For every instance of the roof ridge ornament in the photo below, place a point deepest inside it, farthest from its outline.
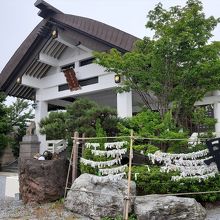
(46, 10)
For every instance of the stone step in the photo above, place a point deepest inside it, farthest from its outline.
(11, 168)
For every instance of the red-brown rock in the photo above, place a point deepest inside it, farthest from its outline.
(42, 181)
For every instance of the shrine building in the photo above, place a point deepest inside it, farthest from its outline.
(54, 66)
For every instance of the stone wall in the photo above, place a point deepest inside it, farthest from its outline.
(7, 156)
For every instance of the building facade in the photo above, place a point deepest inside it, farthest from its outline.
(54, 66)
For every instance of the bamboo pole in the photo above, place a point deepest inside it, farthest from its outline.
(83, 143)
(128, 198)
(75, 156)
(68, 173)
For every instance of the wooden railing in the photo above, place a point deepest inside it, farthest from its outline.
(56, 146)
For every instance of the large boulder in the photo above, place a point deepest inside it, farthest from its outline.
(168, 208)
(95, 197)
(42, 181)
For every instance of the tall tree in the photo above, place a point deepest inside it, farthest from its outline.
(177, 66)
(19, 114)
(54, 126)
(4, 124)
(82, 116)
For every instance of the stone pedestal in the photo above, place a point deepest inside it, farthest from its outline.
(29, 146)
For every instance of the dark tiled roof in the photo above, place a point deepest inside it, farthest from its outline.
(19, 54)
(100, 31)
(90, 30)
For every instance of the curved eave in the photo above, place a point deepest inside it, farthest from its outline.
(9, 70)
(98, 30)
(28, 50)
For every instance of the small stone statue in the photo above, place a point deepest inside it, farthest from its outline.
(31, 129)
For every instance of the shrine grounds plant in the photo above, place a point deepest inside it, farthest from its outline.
(4, 124)
(81, 116)
(149, 124)
(19, 115)
(174, 68)
(13, 123)
(156, 182)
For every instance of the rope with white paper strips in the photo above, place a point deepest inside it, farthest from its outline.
(94, 145)
(109, 153)
(100, 164)
(110, 177)
(114, 170)
(199, 178)
(115, 173)
(116, 145)
(191, 170)
(188, 165)
(160, 156)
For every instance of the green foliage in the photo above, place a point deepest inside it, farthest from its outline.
(144, 124)
(83, 114)
(150, 125)
(100, 132)
(19, 113)
(5, 127)
(155, 182)
(200, 118)
(54, 126)
(87, 154)
(146, 149)
(151, 149)
(178, 65)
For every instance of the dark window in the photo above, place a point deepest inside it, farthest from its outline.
(72, 65)
(84, 82)
(90, 81)
(86, 61)
(63, 87)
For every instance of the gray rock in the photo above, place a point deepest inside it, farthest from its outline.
(168, 208)
(92, 197)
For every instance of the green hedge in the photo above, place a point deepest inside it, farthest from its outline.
(156, 182)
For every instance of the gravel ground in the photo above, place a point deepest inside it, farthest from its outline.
(2, 186)
(12, 209)
(213, 211)
(213, 214)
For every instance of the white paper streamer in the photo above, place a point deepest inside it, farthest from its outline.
(199, 178)
(116, 145)
(105, 179)
(94, 145)
(114, 170)
(188, 165)
(191, 170)
(110, 153)
(160, 156)
(100, 164)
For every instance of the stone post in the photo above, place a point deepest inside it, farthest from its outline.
(29, 147)
(124, 104)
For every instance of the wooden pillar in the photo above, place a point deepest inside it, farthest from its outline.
(75, 155)
(83, 143)
(128, 198)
